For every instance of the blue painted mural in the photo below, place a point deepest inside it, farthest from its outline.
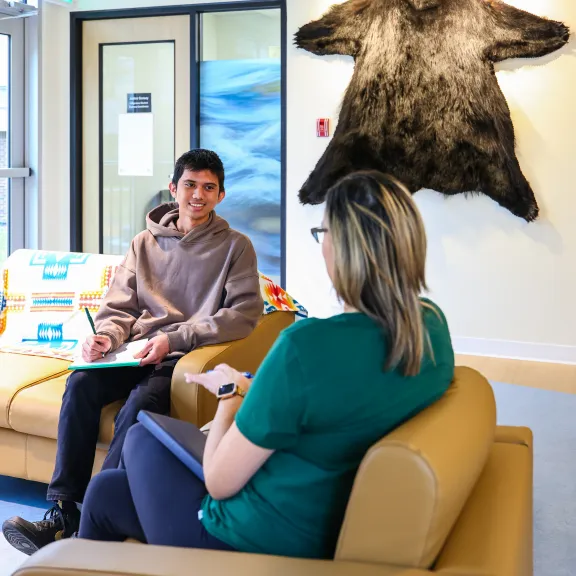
(240, 119)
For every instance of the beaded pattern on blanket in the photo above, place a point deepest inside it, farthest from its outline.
(43, 296)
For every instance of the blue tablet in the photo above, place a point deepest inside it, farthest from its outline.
(183, 439)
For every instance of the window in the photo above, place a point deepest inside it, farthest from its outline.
(4, 156)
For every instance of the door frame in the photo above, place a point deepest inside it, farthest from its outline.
(194, 12)
(15, 172)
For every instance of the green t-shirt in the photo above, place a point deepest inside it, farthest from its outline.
(320, 399)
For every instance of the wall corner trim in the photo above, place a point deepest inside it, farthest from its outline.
(532, 351)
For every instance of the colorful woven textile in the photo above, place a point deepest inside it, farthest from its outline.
(276, 299)
(43, 296)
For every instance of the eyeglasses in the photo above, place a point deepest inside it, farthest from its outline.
(318, 234)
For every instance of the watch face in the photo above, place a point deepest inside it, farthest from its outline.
(226, 389)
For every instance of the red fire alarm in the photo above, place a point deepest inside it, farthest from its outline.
(323, 128)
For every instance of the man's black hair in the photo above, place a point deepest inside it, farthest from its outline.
(196, 160)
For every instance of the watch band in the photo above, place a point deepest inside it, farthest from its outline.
(238, 392)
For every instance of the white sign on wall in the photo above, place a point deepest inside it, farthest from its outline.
(136, 145)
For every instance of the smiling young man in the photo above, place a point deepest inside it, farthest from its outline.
(187, 281)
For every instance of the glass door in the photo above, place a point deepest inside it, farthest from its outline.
(12, 172)
(241, 120)
(151, 86)
(136, 122)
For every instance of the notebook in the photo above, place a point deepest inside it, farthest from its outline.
(183, 439)
(122, 357)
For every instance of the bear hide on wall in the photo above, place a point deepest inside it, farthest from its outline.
(424, 103)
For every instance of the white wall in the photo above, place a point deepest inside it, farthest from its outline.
(507, 287)
(499, 278)
(55, 127)
(315, 89)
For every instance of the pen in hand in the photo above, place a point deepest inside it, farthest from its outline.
(89, 316)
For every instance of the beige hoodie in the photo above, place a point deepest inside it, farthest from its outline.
(198, 288)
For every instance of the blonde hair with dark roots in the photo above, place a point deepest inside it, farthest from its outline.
(379, 260)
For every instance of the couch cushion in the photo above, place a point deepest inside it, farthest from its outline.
(19, 372)
(412, 485)
(12, 455)
(36, 410)
(41, 456)
(514, 435)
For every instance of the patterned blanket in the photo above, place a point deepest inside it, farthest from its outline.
(43, 296)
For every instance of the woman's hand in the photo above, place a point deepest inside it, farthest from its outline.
(155, 350)
(221, 375)
(230, 459)
(96, 346)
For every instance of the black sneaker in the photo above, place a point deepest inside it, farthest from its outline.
(28, 537)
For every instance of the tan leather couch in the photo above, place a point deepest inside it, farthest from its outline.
(31, 391)
(447, 493)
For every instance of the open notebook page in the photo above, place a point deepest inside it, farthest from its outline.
(122, 357)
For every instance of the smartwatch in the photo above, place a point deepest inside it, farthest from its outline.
(229, 391)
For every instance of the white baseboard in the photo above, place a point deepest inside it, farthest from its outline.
(530, 351)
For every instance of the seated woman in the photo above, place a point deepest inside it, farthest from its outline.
(280, 462)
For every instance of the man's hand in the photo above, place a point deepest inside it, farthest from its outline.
(221, 375)
(95, 347)
(155, 350)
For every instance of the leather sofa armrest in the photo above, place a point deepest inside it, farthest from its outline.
(514, 435)
(494, 532)
(193, 403)
(85, 558)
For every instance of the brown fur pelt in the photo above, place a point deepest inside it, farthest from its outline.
(424, 103)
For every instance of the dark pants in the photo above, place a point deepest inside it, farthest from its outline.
(153, 498)
(87, 392)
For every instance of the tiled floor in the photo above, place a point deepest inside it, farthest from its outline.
(18, 498)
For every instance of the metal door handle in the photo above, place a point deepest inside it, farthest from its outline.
(14, 172)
